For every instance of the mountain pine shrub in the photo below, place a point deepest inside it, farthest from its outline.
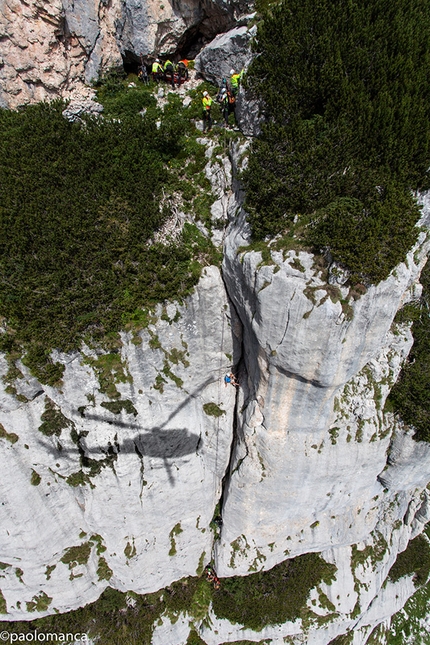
(79, 204)
(410, 396)
(346, 96)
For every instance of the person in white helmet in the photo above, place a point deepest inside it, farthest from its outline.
(234, 81)
(207, 105)
(157, 70)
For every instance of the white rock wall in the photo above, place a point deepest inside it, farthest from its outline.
(153, 503)
(316, 374)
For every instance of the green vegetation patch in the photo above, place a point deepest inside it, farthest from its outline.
(375, 552)
(173, 533)
(9, 436)
(35, 478)
(346, 95)
(130, 550)
(53, 420)
(213, 410)
(41, 365)
(78, 479)
(116, 407)
(410, 624)
(104, 572)
(194, 638)
(110, 369)
(414, 560)
(410, 396)
(80, 204)
(40, 602)
(76, 555)
(271, 597)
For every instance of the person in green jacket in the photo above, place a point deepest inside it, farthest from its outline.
(207, 105)
(234, 81)
(169, 71)
(157, 70)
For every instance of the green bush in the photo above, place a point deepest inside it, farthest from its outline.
(410, 396)
(414, 560)
(271, 597)
(346, 97)
(79, 205)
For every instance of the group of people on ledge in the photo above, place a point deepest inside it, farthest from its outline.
(226, 97)
(176, 74)
(172, 73)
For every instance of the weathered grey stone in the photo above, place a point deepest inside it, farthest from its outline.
(82, 21)
(227, 51)
(75, 109)
(249, 113)
(54, 49)
(315, 378)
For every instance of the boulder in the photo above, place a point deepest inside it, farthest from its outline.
(227, 51)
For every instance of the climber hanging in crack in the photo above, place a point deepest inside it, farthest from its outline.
(212, 577)
(230, 378)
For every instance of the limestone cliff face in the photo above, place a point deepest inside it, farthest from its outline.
(312, 437)
(131, 489)
(114, 478)
(55, 49)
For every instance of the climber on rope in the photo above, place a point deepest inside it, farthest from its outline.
(212, 577)
(223, 99)
(207, 105)
(157, 71)
(230, 378)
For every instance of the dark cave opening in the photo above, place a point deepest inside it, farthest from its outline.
(131, 62)
(190, 44)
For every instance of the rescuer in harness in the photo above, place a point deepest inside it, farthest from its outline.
(157, 71)
(234, 81)
(182, 70)
(207, 105)
(222, 99)
(230, 379)
(169, 72)
(211, 576)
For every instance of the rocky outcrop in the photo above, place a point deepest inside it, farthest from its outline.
(227, 51)
(56, 49)
(52, 50)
